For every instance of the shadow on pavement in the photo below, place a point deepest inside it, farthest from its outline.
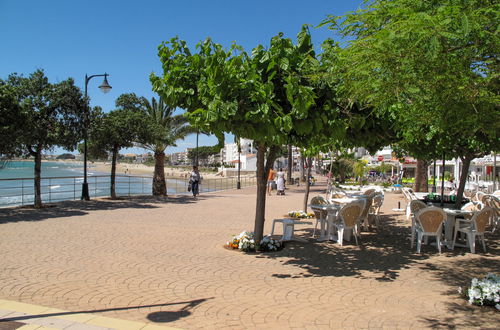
(382, 255)
(184, 311)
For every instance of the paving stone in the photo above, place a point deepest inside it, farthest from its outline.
(161, 262)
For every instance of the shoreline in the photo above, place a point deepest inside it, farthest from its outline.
(131, 168)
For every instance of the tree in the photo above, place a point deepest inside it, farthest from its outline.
(359, 170)
(433, 65)
(203, 153)
(11, 120)
(165, 128)
(52, 116)
(115, 130)
(266, 97)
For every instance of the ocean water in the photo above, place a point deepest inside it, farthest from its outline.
(63, 181)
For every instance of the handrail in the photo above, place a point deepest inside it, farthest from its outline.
(62, 188)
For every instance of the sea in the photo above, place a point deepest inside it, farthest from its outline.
(63, 181)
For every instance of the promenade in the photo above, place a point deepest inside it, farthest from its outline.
(161, 262)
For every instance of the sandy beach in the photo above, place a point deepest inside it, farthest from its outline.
(136, 169)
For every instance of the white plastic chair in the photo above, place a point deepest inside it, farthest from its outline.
(349, 217)
(479, 196)
(493, 202)
(319, 214)
(415, 206)
(429, 223)
(377, 201)
(473, 228)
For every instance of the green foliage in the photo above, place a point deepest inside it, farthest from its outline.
(383, 167)
(39, 116)
(164, 127)
(359, 168)
(117, 129)
(431, 66)
(50, 114)
(203, 153)
(11, 119)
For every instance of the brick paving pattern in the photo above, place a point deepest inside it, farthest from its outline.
(162, 261)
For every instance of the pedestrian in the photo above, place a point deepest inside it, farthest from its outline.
(280, 182)
(194, 181)
(270, 181)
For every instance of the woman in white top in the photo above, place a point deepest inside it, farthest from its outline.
(280, 182)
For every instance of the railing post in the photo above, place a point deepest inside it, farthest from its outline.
(74, 188)
(50, 190)
(129, 186)
(22, 192)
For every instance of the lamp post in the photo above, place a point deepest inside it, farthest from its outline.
(238, 183)
(105, 87)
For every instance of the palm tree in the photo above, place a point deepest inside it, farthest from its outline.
(166, 129)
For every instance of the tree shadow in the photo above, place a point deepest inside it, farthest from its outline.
(68, 209)
(380, 255)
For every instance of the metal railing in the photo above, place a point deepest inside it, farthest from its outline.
(20, 191)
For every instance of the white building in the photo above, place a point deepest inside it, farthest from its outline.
(229, 153)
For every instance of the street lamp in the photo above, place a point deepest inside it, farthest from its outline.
(105, 87)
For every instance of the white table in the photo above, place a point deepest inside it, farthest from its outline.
(420, 195)
(289, 228)
(325, 225)
(343, 200)
(449, 225)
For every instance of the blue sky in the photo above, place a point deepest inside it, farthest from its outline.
(73, 38)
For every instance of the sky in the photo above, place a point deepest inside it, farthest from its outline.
(72, 38)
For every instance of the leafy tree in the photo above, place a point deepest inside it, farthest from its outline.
(267, 97)
(433, 65)
(115, 130)
(11, 120)
(52, 115)
(203, 153)
(359, 170)
(165, 128)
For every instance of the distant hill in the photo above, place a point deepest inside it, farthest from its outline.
(66, 156)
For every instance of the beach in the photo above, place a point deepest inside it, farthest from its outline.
(135, 169)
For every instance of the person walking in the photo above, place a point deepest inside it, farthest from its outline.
(270, 181)
(194, 181)
(280, 182)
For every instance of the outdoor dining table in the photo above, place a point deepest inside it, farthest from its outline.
(325, 225)
(346, 200)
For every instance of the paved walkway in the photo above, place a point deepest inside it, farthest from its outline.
(162, 262)
(15, 315)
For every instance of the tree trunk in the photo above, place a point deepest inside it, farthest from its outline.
(463, 179)
(38, 171)
(302, 173)
(114, 156)
(290, 165)
(306, 195)
(421, 182)
(159, 183)
(263, 167)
